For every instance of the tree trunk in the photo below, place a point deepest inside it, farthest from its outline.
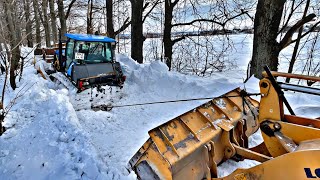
(53, 21)
(45, 22)
(14, 36)
(266, 49)
(62, 18)
(2, 110)
(110, 26)
(167, 41)
(89, 17)
(37, 22)
(15, 57)
(1, 127)
(137, 37)
(28, 23)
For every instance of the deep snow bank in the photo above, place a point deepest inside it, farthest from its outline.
(118, 134)
(44, 139)
(48, 139)
(54, 134)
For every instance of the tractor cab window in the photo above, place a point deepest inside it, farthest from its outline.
(109, 52)
(69, 52)
(92, 52)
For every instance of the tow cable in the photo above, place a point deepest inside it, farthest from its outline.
(109, 107)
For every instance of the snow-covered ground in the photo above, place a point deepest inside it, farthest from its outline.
(54, 134)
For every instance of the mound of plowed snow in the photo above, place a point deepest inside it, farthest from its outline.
(54, 134)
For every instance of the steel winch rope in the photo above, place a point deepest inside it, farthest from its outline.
(110, 107)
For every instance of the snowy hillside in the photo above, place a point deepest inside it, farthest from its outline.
(54, 134)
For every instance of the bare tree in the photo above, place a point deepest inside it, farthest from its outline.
(28, 23)
(14, 31)
(53, 21)
(11, 22)
(37, 22)
(167, 41)
(312, 64)
(45, 21)
(266, 47)
(220, 15)
(63, 16)
(9, 27)
(137, 37)
(203, 55)
(297, 43)
(89, 17)
(2, 109)
(109, 12)
(110, 24)
(137, 20)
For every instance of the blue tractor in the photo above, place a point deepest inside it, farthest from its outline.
(89, 61)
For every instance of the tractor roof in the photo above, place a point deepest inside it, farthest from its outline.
(90, 38)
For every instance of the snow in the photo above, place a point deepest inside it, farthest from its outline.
(54, 134)
(45, 139)
(118, 134)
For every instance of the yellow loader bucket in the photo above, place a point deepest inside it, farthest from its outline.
(191, 145)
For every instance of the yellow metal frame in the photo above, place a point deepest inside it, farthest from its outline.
(271, 108)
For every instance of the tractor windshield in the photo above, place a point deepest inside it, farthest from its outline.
(92, 52)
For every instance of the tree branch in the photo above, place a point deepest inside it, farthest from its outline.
(308, 32)
(287, 39)
(145, 6)
(240, 14)
(197, 20)
(154, 5)
(290, 15)
(174, 3)
(252, 18)
(69, 8)
(178, 39)
(126, 23)
(211, 20)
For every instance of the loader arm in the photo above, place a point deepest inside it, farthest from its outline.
(293, 141)
(271, 113)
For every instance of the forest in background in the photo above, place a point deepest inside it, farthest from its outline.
(199, 28)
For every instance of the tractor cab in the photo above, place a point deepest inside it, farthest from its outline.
(89, 61)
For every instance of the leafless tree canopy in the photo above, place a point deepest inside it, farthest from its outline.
(190, 36)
